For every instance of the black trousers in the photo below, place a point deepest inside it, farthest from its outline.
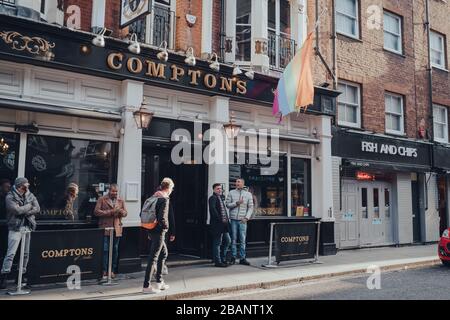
(157, 257)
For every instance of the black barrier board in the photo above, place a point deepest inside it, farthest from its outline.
(53, 252)
(295, 241)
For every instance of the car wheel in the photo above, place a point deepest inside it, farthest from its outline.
(446, 263)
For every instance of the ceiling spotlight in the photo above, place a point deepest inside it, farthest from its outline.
(99, 40)
(163, 55)
(134, 46)
(190, 60)
(215, 65)
(236, 70)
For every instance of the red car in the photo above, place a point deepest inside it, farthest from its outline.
(444, 248)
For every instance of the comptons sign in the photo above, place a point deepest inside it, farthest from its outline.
(171, 72)
(389, 149)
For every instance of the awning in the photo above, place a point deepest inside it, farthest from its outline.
(57, 109)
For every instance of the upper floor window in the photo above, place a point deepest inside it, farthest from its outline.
(347, 21)
(243, 30)
(394, 114)
(349, 105)
(437, 50)
(8, 2)
(157, 26)
(440, 123)
(392, 25)
(281, 46)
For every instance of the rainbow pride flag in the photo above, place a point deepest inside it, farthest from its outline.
(295, 89)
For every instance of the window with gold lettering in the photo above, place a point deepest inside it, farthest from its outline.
(52, 163)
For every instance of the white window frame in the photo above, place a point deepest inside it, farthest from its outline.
(402, 114)
(399, 36)
(346, 104)
(355, 18)
(149, 25)
(442, 53)
(437, 107)
(250, 26)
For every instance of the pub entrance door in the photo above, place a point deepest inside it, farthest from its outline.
(188, 198)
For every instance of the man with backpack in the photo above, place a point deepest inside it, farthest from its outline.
(155, 218)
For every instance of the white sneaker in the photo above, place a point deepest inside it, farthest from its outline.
(165, 270)
(162, 286)
(150, 290)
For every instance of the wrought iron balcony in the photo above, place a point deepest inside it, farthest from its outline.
(281, 50)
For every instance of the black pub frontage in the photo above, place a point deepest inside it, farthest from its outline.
(66, 112)
(388, 189)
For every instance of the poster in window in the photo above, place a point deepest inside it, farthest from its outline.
(132, 10)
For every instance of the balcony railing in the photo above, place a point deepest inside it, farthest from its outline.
(162, 28)
(281, 50)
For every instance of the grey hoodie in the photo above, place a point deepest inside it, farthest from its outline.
(20, 209)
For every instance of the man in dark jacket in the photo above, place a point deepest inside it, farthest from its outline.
(158, 250)
(5, 188)
(21, 206)
(220, 226)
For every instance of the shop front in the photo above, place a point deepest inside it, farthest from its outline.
(384, 190)
(441, 165)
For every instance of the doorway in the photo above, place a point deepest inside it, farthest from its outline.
(416, 211)
(442, 202)
(188, 198)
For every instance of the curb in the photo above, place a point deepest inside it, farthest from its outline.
(297, 280)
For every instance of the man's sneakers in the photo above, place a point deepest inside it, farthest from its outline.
(232, 261)
(244, 262)
(220, 265)
(161, 286)
(165, 270)
(150, 290)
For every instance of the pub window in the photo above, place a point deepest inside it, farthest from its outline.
(43, 6)
(394, 114)
(392, 25)
(52, 163)
(347, 18)
(440, 124)
(269, 191)
(157, 26)
(243, 30)
(349, 105)
(300, 187)
(437, 47)
(9, 159)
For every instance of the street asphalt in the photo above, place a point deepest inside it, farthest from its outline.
(431, 283)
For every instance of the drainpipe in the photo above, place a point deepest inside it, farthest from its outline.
(333, 38)
(430, 71)
(222, 30)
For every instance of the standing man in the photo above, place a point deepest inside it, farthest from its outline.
(159, 204)
(5, 187)
(240, 203)
(220, 226)
(111, 209)
(21, 206)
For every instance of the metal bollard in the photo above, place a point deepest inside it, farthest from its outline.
(19, 291)
(110, 282)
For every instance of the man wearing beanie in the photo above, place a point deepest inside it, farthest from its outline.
(21, 206)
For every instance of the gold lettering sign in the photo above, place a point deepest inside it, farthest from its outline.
(176, 73)
(62, 253)
(156, 70)
(113, 58)
(194, 75)
(134, 65)
(227, 84)
(300, 239)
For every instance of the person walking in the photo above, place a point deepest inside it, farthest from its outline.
(220, 226)
(159, 206)
(21, 208)
(240, 203)
(110, 210)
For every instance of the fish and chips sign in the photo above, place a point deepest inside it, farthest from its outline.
(132, 10)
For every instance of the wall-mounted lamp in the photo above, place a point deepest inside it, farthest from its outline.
(190, 59)
(231, 128)
(215, 65)
(143, 116)
(134, 46)
(163, 55)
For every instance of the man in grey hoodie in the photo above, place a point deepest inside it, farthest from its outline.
(21, 206)
(240, 203)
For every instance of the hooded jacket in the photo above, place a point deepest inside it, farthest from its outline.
(20, 210)
(163, 212)
(245, 210)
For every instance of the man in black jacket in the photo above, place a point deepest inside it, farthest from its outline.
(158, 250)
(220, 226)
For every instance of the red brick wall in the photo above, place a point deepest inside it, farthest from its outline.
(216, 23)
(186, 36)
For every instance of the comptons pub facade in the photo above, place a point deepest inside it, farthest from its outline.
(369, 158)
(73, 75)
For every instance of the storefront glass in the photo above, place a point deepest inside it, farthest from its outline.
(300, 187)
(9, 159)
(269, 191)
(53, 162)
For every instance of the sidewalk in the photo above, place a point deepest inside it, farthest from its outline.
(197, 280)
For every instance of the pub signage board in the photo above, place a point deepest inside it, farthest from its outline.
(53, 254)
(295, 241)
(132, 10)
(441, 157)
(366, 147)
(46, 45)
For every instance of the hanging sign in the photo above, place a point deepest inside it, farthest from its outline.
(132, 10)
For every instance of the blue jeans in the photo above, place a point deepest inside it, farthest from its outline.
(14, 239)
(221, 256)
(115, 255)
(238, 230)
